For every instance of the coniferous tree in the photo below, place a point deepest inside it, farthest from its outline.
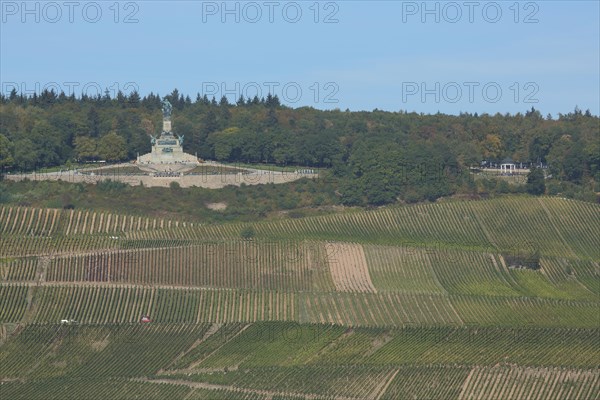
(134, 99)
(241, 101)
(93, 122)
(13, 95)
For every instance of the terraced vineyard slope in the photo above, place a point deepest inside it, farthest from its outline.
(415, 302)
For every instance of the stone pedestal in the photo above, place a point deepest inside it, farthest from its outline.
(167, 150)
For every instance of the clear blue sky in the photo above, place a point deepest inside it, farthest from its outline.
(444, 56)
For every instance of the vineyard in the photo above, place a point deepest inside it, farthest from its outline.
(290, 360)
(411, 302)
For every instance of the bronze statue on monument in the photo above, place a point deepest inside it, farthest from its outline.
(167, 109)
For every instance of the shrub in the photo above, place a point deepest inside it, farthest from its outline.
(535, 182)
(296, 214)
(247, 233)
(111, 186)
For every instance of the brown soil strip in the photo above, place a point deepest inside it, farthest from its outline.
(348, 267)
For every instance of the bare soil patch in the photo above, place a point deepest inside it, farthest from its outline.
(216, 206)
(100, 345)
(348, 267)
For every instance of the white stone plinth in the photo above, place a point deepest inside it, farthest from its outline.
(167, 150)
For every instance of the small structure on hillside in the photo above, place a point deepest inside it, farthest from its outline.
(507, 167)
(145, 319)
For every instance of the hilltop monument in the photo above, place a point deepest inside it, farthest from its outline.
(167, 148)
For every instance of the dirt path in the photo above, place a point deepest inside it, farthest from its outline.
(194, 365)
(466, 384)
(117, 285)
(382, 388)
(42, 268)
(268, 393)
(211, 331)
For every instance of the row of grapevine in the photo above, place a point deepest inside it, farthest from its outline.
(214, 339)
(556, 279)
(553, 225)
(428, 382)
(245, 306)
(387, 309)
(477, 346)
(355, 382)
(557, 227)
(306, 266)
(265, 344)
(22, 246)
(473, 273)
(46, 351)
(587, 273)
(448, 222)
(28, 221)
(508, 383)
(520, 225)
(564, 274)
(412, 382)
(90, 222)
(401, 269)
(268, 344)
(119, 304)
(324, 360)
(183, 232)
(92, 389)
(13, 302)
(234, 264)
(92, 304)
(578, 224)
(46, 222)
(18, 269)
(526, 312)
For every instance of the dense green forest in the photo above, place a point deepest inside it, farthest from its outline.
(374, 157)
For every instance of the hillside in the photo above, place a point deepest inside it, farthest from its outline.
(423, 301)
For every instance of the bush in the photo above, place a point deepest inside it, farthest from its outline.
(535, 182)
(67, 202)
(5, 197)
(111, 186)
(296, 214)
(247, 233)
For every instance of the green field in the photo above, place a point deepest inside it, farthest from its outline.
(406, 302)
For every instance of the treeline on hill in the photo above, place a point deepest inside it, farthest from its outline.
(376, 156)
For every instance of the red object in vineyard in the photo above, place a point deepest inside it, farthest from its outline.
(145, 319)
